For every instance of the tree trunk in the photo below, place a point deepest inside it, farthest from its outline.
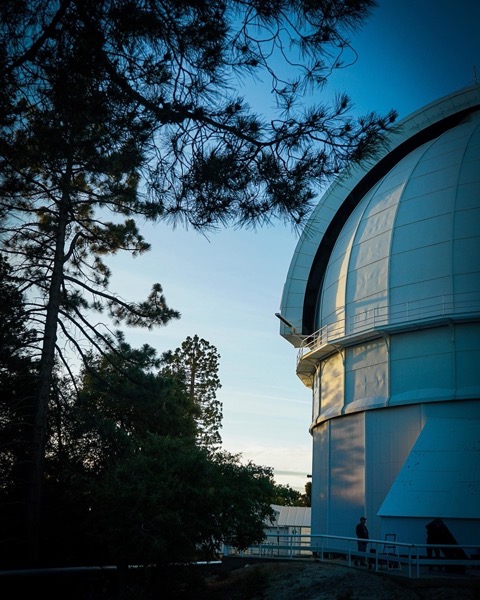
(42, 398)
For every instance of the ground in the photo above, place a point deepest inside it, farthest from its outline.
(297, 580)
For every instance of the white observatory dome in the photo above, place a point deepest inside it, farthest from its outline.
(410, 250)
(382, 300)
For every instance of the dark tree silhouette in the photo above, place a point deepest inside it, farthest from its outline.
(113, 111)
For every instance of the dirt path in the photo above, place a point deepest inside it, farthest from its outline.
(325, 581)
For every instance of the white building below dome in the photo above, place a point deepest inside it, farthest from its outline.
(383, 299)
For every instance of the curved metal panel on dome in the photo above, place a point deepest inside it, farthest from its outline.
(401, 255)
(299, 304)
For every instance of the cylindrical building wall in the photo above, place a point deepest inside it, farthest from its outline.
(427, 364)
(358, 457)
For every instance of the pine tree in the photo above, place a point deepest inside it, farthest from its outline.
(196, 362)
(100, 96)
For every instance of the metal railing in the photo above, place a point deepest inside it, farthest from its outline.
(447, 306)
(408, 558)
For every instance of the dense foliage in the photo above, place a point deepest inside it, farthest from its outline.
(285, 495)
(17, 382)
(126, 481)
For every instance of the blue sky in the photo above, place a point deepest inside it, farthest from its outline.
(229, 286)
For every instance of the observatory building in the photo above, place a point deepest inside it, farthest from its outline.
(382, 302)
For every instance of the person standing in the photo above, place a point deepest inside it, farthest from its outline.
(361, 532)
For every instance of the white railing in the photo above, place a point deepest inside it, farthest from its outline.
(411, 557)
(428, 309)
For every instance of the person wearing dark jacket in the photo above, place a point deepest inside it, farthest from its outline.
(361, 532)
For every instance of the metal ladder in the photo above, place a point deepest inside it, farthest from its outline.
(390, 550)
